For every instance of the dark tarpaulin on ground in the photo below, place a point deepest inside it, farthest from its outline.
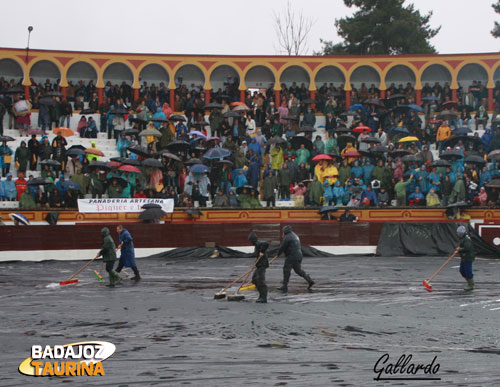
(430, 239)
(226, 252)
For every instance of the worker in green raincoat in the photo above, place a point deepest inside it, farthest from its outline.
(108, 253)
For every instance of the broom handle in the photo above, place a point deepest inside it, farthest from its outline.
(443, 265)
(249, 272)
(82, 268)
(237, 279)
(274, 259)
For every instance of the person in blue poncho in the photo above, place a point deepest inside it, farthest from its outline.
(338, 193)
(60, 185)
(327, 193)
(127, 257)
(357, 171)
(417, 198)
(9, 188)
(159, 114)
(239, 180)
(368, 168)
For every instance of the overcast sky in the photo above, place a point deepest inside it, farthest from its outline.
(229, 27)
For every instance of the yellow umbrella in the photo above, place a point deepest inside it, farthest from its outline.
(409, 139)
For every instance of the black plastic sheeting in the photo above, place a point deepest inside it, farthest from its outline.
(226, 252)
(430, 239)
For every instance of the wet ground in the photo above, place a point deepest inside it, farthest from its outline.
(169, 330)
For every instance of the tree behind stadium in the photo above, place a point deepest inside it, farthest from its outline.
(382, 27)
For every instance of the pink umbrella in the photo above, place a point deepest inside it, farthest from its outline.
(360, 129)
(322, 157)
(212, 138)
(129, 168)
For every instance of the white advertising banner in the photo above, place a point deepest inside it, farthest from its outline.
(101, 206)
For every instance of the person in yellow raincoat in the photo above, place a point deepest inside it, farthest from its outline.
(348, 147)
(326, 170)
(90, 156)
(277, 158)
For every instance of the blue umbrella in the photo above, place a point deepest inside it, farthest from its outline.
(68, 184)
(357, 106)
(430, 98)
(462, 130)
(217, 153)
(399, 129)
(199, 168)
(415, 107)
(20, 218)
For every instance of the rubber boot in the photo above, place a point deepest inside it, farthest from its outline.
(309, 281)
(283, 288)
(136, 278)
(116, 276)
(470, 284)
(112, 280)
(262, 300)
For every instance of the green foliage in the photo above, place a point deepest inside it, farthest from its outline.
(496, 30)
(382, 27)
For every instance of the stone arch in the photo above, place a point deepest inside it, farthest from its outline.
(154, 73)
(297, 74)
(259, 77)
(400, 74)
(190, 74)
(11, 69)
(219, 77)
(472, 72)
(436, 73)
(43, 70)
(117, 73)
(329, 74)
(81, 71)
(364, 74)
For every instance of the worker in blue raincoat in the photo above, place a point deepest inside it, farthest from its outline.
(127, 257)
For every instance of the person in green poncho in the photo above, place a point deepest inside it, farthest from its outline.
(331, 145)
(96, 184)
(254, 200)
(458, 192)
(239, 159)
(383, 174)
(166, 135)
(244, 199)
(344, 172)
(115, 190)
(81, 179)
(22, 157)
(27, 202)
(315, 191)
(108, 253)
(302, 154)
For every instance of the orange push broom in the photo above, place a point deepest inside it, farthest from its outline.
(72, 279)
(427, 283)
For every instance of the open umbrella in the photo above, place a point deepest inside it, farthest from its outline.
(6, 139)
(409, 139)
(326, 209)
(138, 150)
(494, 154)
(231, 114)
(152, 163)
(213, 138)
(416, 107)
(374, 101)
(199, 168)
(360, 129)
(150, 205)
(462, 131)
(447, 115)
(130, 132)
(150, 132)
(213, 105)
(200, 124)
(75, 152)
(322, 157)
(335, 156)
(430, 98)
(94, 151)
(197, 133)
(87, 111)
(119, 180)
(449, 105)
(177, 117)
(344, 139)
(129, 168)
(228, 162)
(99, 164)
(52, 218)
(120, 110)
(441, 163)
(239, 190)
(114, 164)
(342, 129)
(39, 181)
(307, 128)
(54, 94)
(13, 90)
(15, 216)
(371, 140)
(460, 204)
(399, 129)
(50, 162)
(297, 141)
(397, 96)
(451, 142)
(356, 107)
(475, 160)
(117, 159)
(135, 162)
(170, 156)
(49, 101)
(71, 185)
(380, 149)
(159, 119)
(177, 146)
(241, 108)
(291, 118)
(451, 155)
(308, 101)
(193, 161)
(276, 140)
(411, 159)
(152, 214)
(495, 183)
(399, 153)
(217, 153)
(63, 131)
(352, 153)
(468, 108)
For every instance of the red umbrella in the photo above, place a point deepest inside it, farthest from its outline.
(322, 157)
(352, 153)
(360, 129)
(129, 168)
(114, 164)
(94, 151)
(233, 104)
